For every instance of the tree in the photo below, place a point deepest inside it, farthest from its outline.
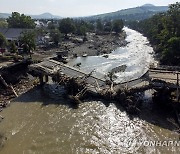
(90, 26)
(163, 32)
(99, 25)
(3, 41)
(27, 41)
(67, 26)
(51, 25)
(17, 20)
(81, 30)
(174, 18)
(118, 26)
(108, 26)
(171, 54)
(3, 23)
(12, 47)
(55, 36)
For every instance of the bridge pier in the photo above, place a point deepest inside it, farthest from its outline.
(46, 78)
(177, 92)
(177, 79)
(43, 79)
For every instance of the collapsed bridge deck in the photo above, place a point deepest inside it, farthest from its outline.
(154, 78)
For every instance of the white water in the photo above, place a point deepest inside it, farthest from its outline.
(137, 55)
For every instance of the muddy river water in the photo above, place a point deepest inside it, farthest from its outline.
(42, 121)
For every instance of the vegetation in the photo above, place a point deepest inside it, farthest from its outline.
(67, 26)
(51, 25)
(56, 36)
(163, 31)
(118, 26)
(20, 21)
(108, 26)
(12, 47)
(80, 27)
(27, 41)
(99, 25)
(136, 13)
(3, 23)
(3, 41)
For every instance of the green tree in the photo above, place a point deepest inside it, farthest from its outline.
(171, 53)
(55, 36)
(81, 30)
(12, 47)
(3, 41)
(17, 20)
(27, 41)
(99, 25)
(67, 26)
(3, 23)
(173, 17)
(90, 26)
(163, 31)
(108, 26)
(118, 26)
(51, 25)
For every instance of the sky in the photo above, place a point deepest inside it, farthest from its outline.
(74, 8)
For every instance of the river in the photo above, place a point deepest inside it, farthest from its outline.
(42, 121)
(137, 56)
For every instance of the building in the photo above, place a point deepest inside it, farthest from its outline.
(12, 34)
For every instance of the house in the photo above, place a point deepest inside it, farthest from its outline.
(39, 24)
(12, 34)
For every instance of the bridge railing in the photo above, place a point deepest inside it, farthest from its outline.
(170, 75)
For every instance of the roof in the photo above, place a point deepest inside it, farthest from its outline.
(12, 33)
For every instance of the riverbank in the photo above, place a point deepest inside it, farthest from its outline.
(94, 45)
(14, 81)
(6, 94)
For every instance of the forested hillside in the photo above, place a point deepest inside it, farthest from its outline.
(163, 31)
(136, 13)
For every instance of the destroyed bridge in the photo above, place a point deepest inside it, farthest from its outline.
(159, 77)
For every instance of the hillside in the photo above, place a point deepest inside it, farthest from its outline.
(137, 13)
(4, 15)
(45, 16)
(41, 16)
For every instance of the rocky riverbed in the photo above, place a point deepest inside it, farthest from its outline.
(93, 45)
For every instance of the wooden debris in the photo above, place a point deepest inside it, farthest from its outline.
(13, 90)
(8, 86)
(3, 82)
